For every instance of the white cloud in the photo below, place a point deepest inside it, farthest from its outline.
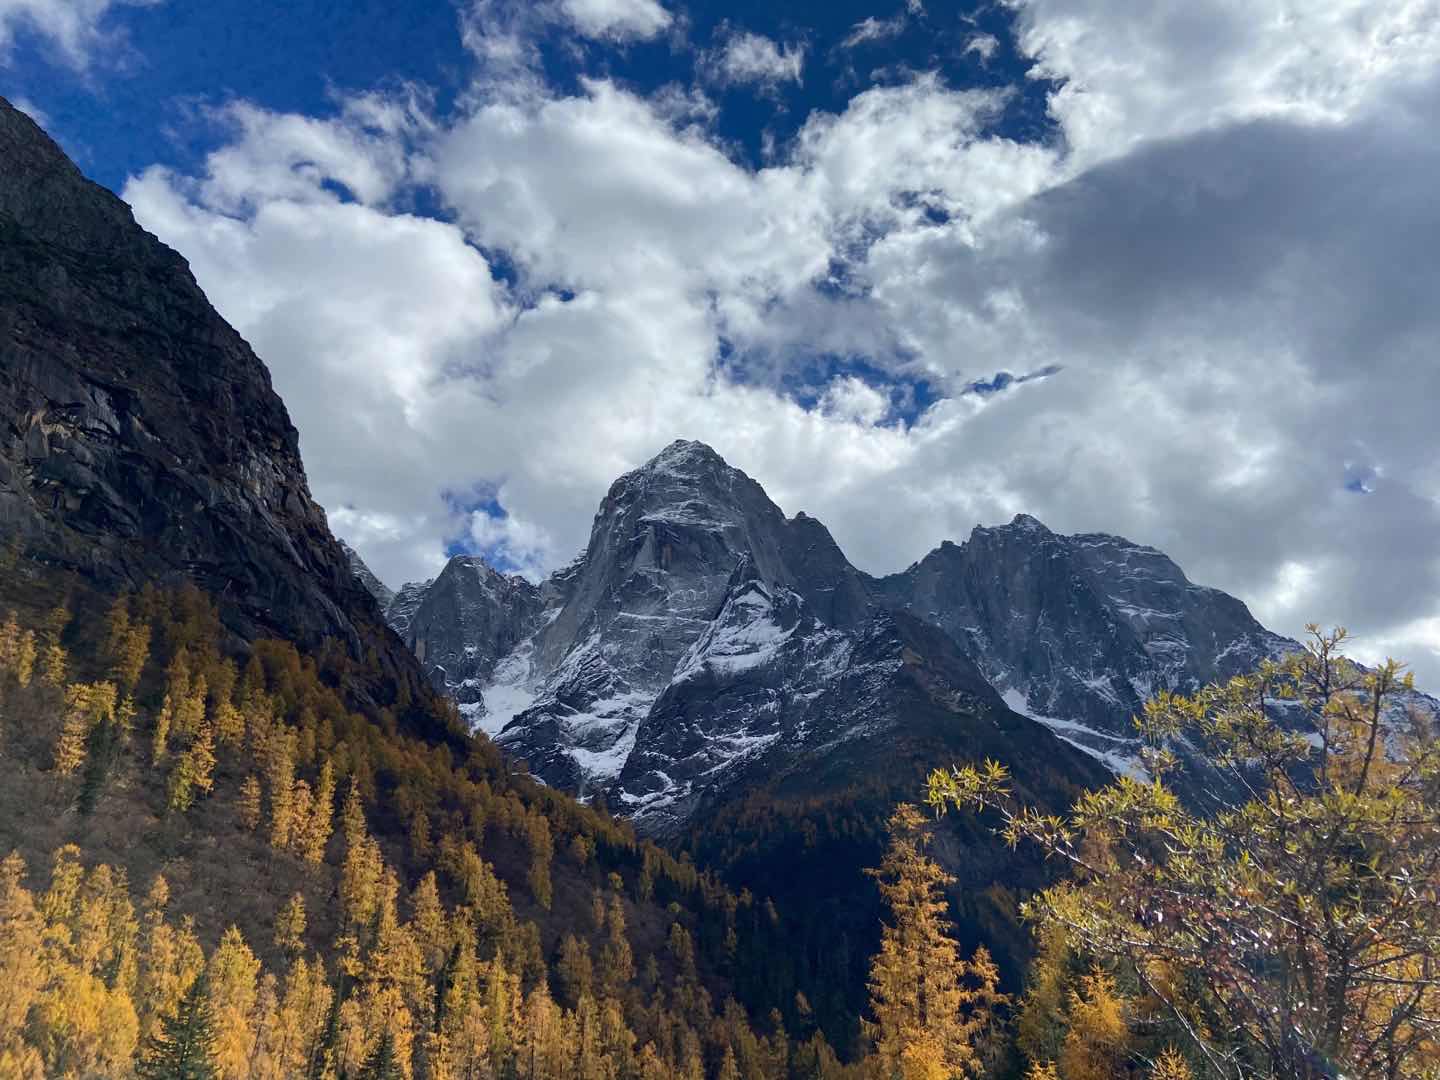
(618, 19)
(983, 46)
(276, 156)
(872, 29)
(76, 28)
(747, 58)
(850, 398)
(509, 540)
(1226, 253)
(1172, 69)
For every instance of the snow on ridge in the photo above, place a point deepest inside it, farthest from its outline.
(743, 636)
(604, 764)
(1076, 734)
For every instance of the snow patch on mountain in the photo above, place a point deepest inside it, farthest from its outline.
(746, 634)
(1121, 756)
(512, 689)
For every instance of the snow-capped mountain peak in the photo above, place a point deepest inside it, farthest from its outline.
(703, 641)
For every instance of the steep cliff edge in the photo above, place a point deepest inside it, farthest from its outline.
(140, 437)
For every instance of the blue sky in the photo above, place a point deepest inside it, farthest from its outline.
(143, 93)
(916, 266)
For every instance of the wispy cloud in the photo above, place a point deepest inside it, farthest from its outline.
(76, 29)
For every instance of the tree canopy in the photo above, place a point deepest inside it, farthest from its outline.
(1292, 929)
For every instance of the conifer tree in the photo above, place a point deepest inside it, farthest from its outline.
(183, 1048)
(542, 850)
(427, 921)
(17, 651)
(53, 626)
(729, 1070)
(1097, 1036)
(231, 974)
(382, 1064)
(127, 644)
(23, 662)
(617, 961)
(74, 731)
(53, 664)
(352, 816)
(9, 641)
(229, 721)
(101, 746)
(290, 927)
(130, 664)
(160, 740)
(420, 844)
(1171, 1065)
(194, 771)
(190, 712)
(280, 775)
(22, 929)
(314, 831)
(117, 626)
(929, 1021)
(249, 803)
(574, 969)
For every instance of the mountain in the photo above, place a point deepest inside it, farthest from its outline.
(703, 640)
(617, 623)
(1079, 631)
(140, 437)
(464, 622)
(721, 675)
(383, 594)
(403, 605)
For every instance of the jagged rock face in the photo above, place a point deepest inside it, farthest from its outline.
(383, 594)
(1080, 630)
(704, 644)
(403, 605)
(704, 641)
(771, 695)
(140, 438)
(664, 546)
(701, 641)
(464, 623)
(664, 543)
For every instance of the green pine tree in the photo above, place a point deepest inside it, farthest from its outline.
(183, 1047)
(100, 750)
(381, 1064)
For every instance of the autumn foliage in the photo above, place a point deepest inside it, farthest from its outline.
(1290, 930)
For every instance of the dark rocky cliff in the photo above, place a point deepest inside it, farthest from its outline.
(140, 437)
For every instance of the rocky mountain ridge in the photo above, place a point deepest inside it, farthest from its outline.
(704, 637)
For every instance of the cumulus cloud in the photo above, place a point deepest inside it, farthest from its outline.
(618, 19)
(747, 58)
(1131, 77)
(76, 28)
(1223, 269)
(511, 544)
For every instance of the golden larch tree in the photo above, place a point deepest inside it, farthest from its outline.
(932, 1010)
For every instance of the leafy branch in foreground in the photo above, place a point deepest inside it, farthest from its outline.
(1295, 931)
